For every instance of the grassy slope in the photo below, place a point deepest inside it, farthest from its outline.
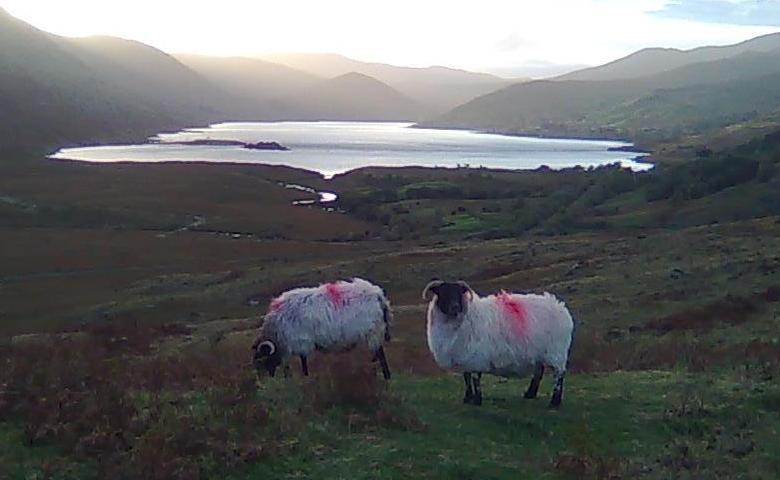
(610, 421)
(693, 99)
(122, 257)
(619, 422)
(653, 424)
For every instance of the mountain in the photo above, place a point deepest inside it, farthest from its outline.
(536, 69)
(441, 88)
(543, 107)
(651, 61)
(354, 96)
(333, 65)
(284, 93)
(56, 90)
(144, 72)
(269, 86)
(651, 108)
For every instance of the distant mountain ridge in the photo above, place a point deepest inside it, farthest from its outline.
(284, 93)
(650, 108)
(58, 91)
(651, 61)
(355, 96)
(266, 87)
(332, 65)
(441, 88)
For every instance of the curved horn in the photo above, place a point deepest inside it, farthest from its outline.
(266, 344)
(432, 284)
(468, 288)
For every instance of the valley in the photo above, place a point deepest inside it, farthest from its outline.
(131, 290)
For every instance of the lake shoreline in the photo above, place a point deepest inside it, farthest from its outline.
(334, 148)
(226, 143)
(635, 148)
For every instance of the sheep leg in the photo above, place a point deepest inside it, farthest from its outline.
(533, 388)
(478, 389)
(468, 397)
(304, 366)
(557, 396)
(380, 355)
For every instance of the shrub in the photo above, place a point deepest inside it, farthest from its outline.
(137, 417)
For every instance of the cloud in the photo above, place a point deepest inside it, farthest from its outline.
(733, 12)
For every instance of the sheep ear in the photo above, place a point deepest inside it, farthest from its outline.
(465, 288)
(266, 348)
(431, 287)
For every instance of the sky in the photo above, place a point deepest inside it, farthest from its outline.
(508, 37)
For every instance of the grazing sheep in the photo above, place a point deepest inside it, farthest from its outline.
(335, 316)
(508, 334)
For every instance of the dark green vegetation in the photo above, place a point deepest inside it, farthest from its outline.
(148, 303)
(651, 96)
(713, 186)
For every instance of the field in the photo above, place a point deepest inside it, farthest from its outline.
(129, 295)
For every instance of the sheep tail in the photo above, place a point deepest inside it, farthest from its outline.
(574, 325)
(387, 316)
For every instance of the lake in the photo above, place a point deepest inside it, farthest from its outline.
(337, 147)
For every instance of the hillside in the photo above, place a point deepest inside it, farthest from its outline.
(666, 114)
(441, 88)
(354, 96)
(651, 61)
(268, 85)
(55, 90)
(285, 93)
(672, 278)
(659, 107)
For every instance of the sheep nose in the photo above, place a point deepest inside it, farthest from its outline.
(256, 357)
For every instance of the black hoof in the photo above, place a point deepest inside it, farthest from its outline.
(529, 394)
(555, 404)
(478, 400)
(468, 399)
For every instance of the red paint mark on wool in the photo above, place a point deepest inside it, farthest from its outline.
(514, 309)
(276, 305)
(336, 293)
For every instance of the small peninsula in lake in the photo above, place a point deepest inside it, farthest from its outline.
(229, 143)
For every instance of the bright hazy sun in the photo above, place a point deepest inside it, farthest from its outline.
(490, 34)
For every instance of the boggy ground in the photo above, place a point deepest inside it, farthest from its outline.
(146, 373)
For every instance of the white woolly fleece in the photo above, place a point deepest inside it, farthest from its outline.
(331, 317)
(505, 334)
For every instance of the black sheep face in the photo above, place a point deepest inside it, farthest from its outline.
(450, 298)
(267, 356)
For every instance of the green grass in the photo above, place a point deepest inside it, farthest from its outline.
(649, 424)
(464, 223)
(621, 421)
(18, 462)
(662, 423)
(435, 186)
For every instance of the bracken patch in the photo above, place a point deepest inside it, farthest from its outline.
(730, 310)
